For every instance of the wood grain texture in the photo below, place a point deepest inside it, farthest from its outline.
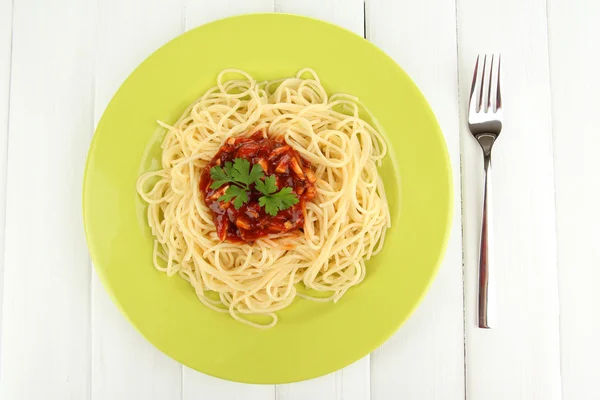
(46, 320)
(424, 359)
(519, 358)
(348, 14)
(5, 64)
(200, 12)
(124, 364)
(62, 338)
(574, 58)
(324, 387)
(198, 386)
(350, 383)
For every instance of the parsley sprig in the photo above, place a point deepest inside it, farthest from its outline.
(241, 177)
(271, 201)
(238, 172)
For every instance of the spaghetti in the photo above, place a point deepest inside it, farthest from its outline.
(344, 224)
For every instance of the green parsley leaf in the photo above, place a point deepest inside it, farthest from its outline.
(236, 173)
(282, 200)
(256, 174)
(238, 194)
(229, 168)
(287, 198)
(219, 177)
(218, 184)
(269, 205)
(241, 172)
(268, 186)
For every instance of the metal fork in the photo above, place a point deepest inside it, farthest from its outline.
(485, 123)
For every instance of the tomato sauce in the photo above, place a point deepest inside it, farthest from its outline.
(250, 221)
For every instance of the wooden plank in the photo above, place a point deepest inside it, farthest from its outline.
(324, 387)
(124, 364)
(202, 11)
(573, 33)
(352, 382)
(348, 14)
(46, 317)
(5, 64)
(424, 360)
(197, 385)
(519, 358)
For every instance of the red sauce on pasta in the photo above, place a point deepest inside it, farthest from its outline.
(250, 221)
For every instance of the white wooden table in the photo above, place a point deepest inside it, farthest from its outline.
(62, 338)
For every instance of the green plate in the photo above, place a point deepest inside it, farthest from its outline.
(311, 339)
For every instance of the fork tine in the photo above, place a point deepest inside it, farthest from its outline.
(498, 96)
(474, 98)
(481, 103)
(489, 92)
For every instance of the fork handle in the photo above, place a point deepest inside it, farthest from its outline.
(486, 311)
